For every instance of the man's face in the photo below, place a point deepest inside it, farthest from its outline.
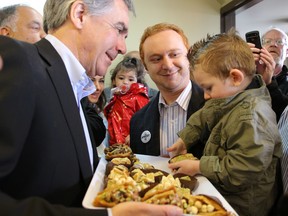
(165, 57)
(29, 25)
(271, 42)
(103, 38)
(99, 84)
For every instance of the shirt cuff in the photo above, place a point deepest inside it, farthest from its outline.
(109, 211)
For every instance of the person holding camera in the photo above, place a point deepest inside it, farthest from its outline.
(270, 64)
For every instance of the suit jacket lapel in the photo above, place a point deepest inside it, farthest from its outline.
(197, 100)
(153, 126)
(60, 79)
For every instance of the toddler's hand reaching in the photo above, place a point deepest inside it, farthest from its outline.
(177, 148)
(188, 167)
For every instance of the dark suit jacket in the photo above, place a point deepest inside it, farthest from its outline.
(279, 99)
(43, 152)
(148, 119)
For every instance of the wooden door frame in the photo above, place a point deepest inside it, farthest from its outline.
(229, 11)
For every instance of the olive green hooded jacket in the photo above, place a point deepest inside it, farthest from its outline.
(242, 148)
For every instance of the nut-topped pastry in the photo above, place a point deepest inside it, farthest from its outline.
(187, 181)
(142, 182)
(187, 156)
(117, 151)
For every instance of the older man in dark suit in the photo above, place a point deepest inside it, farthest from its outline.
(46, 155)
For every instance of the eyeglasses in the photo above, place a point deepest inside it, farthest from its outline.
(269, 41)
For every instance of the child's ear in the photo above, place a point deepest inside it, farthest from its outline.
(236, 77)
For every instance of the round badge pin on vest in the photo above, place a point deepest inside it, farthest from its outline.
(145, 136)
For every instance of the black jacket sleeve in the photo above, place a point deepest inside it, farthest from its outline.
(279, 100)
(95, 123)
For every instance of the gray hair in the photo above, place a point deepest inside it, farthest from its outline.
(56, 12)
(276, 29)
(9, 16)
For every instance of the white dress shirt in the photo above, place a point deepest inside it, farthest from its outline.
(82, 85)
(173, 118)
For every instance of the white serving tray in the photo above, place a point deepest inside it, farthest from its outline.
(97, 183)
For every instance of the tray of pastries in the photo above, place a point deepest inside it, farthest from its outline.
(122, 176)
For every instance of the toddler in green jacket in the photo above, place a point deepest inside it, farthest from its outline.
(237, 124)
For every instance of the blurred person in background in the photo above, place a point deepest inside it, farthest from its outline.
(94, 105)
(129, 95)
(270, 64)
(151, 91)
(21, 22)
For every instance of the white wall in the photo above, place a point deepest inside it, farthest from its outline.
(37, 4)
(262, 16)
(196, 17)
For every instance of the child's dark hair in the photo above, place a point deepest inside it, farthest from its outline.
(128, 64)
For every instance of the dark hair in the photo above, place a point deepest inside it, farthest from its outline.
(128, 64)
(100, 104)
